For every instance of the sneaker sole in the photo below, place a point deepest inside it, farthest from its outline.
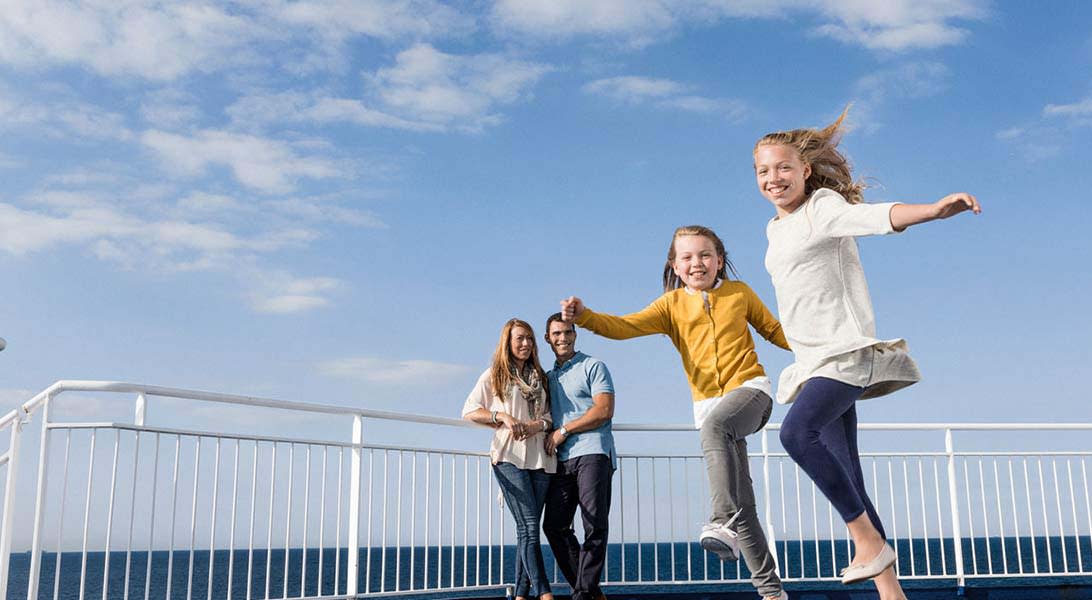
(722, 550)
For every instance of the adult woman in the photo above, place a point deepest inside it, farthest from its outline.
(512, 397)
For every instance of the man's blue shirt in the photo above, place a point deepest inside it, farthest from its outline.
(572, 387)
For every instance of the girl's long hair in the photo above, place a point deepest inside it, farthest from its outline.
(503, 366)
(671, 280)
(818, 148)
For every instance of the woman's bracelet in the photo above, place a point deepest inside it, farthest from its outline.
(494, 417)
(545, 425)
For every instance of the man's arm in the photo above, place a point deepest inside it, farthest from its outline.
(601, 411)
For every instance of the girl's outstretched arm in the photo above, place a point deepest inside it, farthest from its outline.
(905, 215)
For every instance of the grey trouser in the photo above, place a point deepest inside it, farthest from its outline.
(743, 411)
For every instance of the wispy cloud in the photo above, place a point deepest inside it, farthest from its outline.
(385, 371)
(893, 25)
(664, 93)
(451, 91)
(1048, 135)
(1078, 113)
(280, 292)
(68, 119)
(874, 92)
(265, 164)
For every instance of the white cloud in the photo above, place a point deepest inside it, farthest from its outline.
(874, 92)
(257, 110)
(265, 164)
(124, 37)
(664, 93)
(385, 19)
(61, 118)
(317, 211)
(384, 371)
(452, 91)
(892, 25)
(1076, 109)
(279, 292)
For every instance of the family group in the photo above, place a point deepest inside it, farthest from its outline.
(553, 450)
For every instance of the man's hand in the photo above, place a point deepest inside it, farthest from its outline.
(555, 439)
(571, 308)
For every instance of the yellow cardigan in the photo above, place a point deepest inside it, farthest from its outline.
(717, 351)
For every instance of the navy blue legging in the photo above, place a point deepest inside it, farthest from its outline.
(820, 434)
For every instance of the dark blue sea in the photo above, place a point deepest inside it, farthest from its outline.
(390, 569)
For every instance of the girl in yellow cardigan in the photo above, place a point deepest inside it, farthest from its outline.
(706, 315)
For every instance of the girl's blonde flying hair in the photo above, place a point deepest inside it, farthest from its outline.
(819, 149)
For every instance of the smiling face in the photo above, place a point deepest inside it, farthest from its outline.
(521, 342)
(562, 339)
(696, 261)
(780, 173)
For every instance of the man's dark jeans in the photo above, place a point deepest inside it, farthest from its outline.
(583, 481)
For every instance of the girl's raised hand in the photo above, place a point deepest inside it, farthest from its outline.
(953, 204)
(571, 308)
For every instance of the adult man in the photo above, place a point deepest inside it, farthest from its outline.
(582, 405)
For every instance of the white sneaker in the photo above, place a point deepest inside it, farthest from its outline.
(720, 539)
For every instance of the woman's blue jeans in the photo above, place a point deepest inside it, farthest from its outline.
(525, 494)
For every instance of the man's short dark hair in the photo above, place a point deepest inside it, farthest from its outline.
(556, 317)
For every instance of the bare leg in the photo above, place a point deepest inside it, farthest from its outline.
(868, 543)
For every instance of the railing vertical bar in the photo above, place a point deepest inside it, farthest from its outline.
(830, 525)
(1015, 519)
(212, 528)
(151, 525)
(686, 491)
(288, 516)
(413, 522)
(174, 515)
(132, 516)
(38, 536)
(815, 526)
(322, 520)
(250, 532)
(428, 496)
(87, 511)
(1087, 503)
(799, 522)
(110, 514)
(640, 561)
(894, 520)
(371, 498)
(671, 513)
(1031, 517)
(767, 504)
(466, 517)
(489, 518)
(337, 531)
(440, 527)
(356, 463)
(940, 521)
(193, 515)
(1046, 521)
(306, 518)
(398, 526)
(876, 493)
(477, 512)
(269, 525)
(383, 519)
(909, 518)
(970, 515)
(234, 511)
(924, 518)
(957, 547)
(784, 517)
(985, 515)
(453, 492)
(1000, 520)
(1076, 526)
(60, 517)
(1061, 519)
(622, 519)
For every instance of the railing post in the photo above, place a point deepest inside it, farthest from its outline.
(141, 413)
(39, 507)
(957, 536)
(9, 506)
(771, 537)
(353, 565)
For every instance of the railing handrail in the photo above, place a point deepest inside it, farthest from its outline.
(239, 400)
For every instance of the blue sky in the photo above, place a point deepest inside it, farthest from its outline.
(342, 202)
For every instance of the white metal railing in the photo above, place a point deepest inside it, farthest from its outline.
(138, 510)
